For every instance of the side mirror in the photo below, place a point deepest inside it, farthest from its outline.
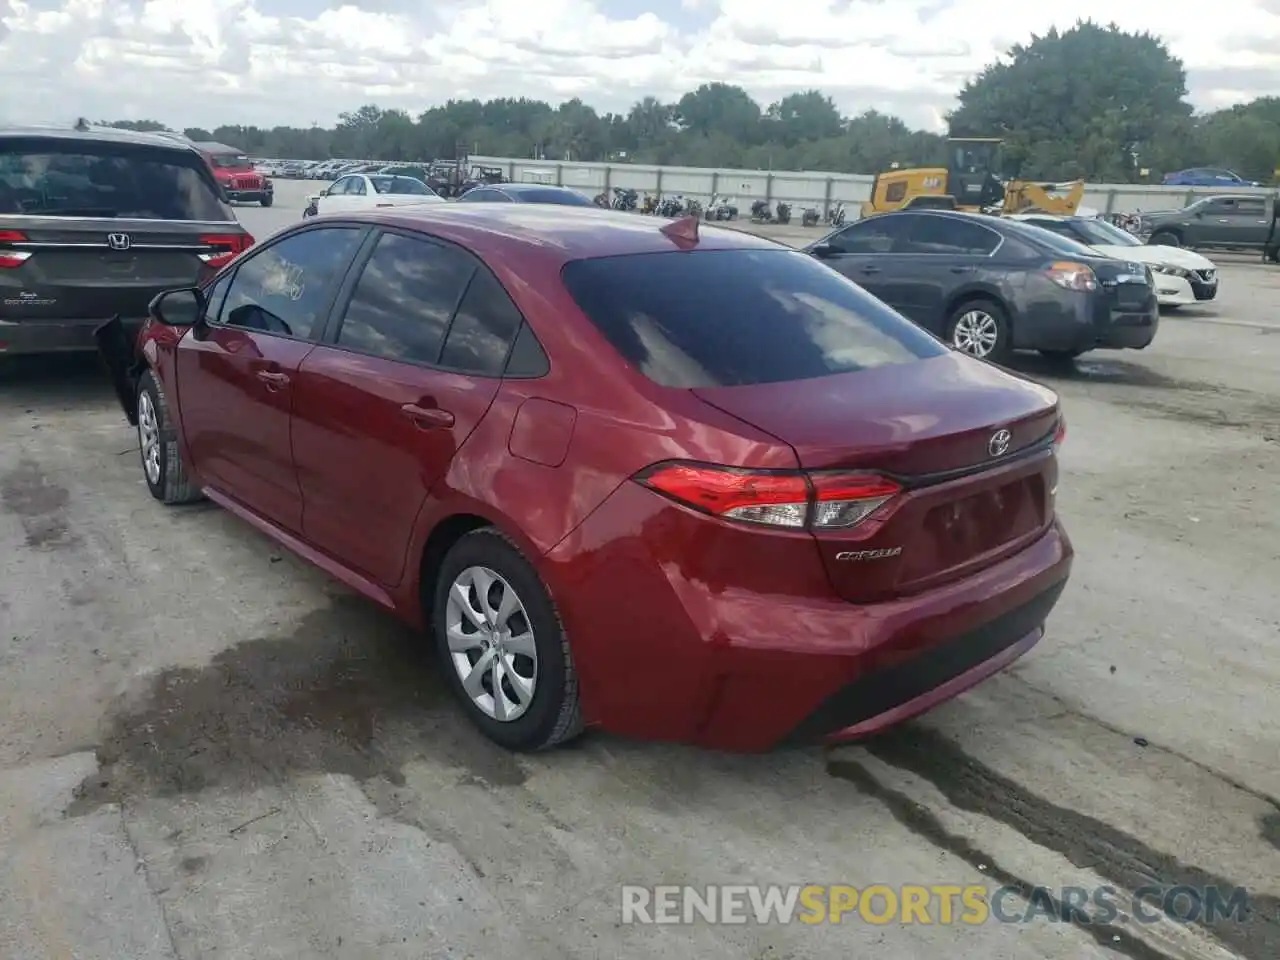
(183, 307)
(823, 250)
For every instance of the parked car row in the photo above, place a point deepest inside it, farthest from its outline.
(993, 285)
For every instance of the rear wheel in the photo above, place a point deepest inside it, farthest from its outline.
(980, 328)
(1165, 238)
(162, 466)
(502, 645)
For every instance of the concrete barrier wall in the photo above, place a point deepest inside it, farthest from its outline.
(798, 189)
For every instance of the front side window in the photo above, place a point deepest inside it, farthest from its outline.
(405, 298)
(873, 235)
(736, 317)
(286, 288)
(72, 178)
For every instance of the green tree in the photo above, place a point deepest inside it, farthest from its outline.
(1080, 102)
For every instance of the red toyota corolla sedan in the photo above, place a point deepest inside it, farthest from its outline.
(672, 481)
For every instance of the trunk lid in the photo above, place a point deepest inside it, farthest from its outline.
(63, 268)
(969, 497)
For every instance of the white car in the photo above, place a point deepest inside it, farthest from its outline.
(1183, 278)
(359, 191)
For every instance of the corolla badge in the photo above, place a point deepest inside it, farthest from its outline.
(998, 445)
(882, 554)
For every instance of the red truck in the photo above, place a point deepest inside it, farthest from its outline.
(236, 175)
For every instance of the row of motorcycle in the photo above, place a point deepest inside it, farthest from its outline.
(719, 208)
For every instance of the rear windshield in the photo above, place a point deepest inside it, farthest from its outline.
(738, 317)
(1055, 243)
(566, 198)
(229, 161)
(385, 184)
(78, 179)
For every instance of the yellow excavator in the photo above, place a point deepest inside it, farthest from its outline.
(970, 181)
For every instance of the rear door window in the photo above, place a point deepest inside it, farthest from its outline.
(737, 317)
(949, 235)
(482, 330)
(405, 299)
(50, 177)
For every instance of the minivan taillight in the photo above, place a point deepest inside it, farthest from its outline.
(12, 258)
(827, 500)
(226, 247)
(1060, 434)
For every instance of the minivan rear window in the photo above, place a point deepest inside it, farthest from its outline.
(77, 178)
(737, 317)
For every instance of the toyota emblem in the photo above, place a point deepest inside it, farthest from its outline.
(998, 445)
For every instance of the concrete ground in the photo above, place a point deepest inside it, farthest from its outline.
(208, 751)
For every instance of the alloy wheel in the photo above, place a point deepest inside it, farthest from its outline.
(491, 643)
(976, 333)
(149, 437)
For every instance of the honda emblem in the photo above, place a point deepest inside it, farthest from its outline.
(119, 241)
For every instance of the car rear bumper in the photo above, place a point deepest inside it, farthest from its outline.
(56, 336)
(675, 656)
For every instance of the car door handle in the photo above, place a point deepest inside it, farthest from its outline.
(962, 269)
(273, 379)
(427, 418)
(870, 269)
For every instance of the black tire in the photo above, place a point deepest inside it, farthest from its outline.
(1165, 238)
(170, 484)
(553, 715)
(268, 201)
(1001, 350)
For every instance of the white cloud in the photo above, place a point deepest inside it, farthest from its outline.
(302, 61)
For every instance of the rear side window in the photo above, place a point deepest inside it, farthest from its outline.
(737, 317)
(404, 300)
(80, 178)
(481, 334)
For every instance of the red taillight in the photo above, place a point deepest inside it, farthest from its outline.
(226, 248)
(774, 498)
(12, 258)
(1060, 434)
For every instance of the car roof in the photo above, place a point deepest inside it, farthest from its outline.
(213, 146)
(528, 187)
(551, 232)
(97, 134)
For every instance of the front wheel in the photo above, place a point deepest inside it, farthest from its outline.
(980, 329)
(268, 200)
(502, 645)
(162, 466)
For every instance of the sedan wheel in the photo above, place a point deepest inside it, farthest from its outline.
(500, 638)
(149, 438)
(976, 332)
(491, 644)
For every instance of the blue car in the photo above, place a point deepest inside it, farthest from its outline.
(1206, 177)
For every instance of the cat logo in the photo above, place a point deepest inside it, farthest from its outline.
(933, 183)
